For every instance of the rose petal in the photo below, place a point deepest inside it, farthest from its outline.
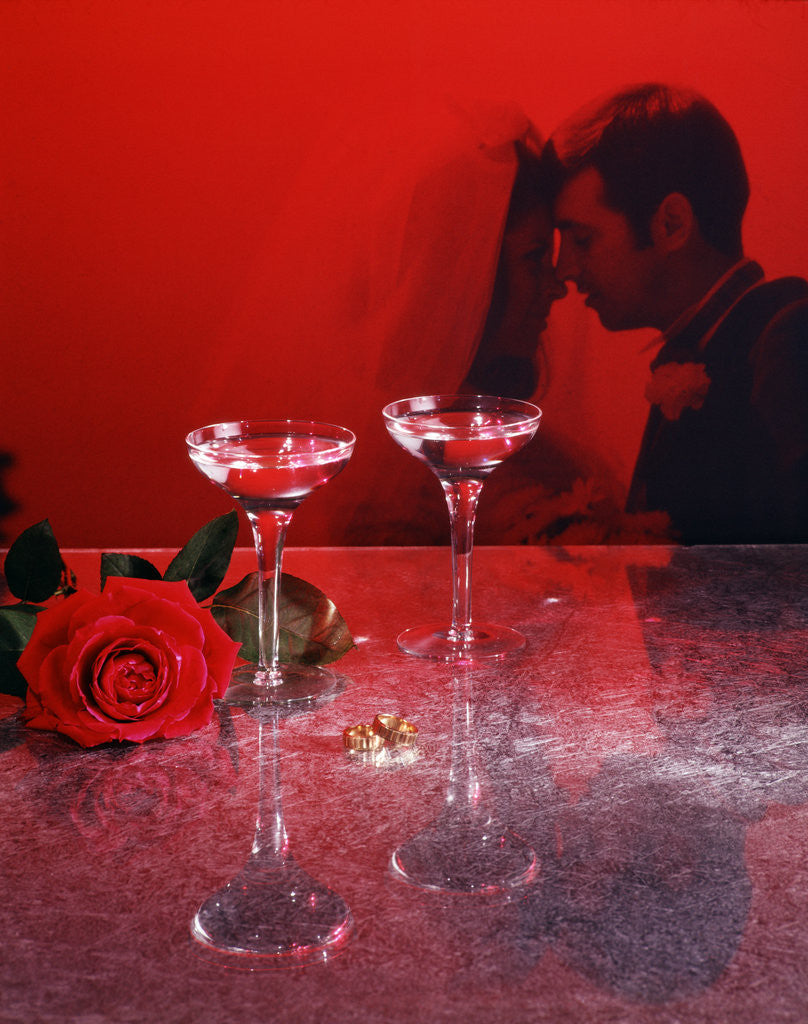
(51, 629)
(114, 666)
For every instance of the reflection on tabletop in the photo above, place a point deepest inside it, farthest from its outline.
(645, 760)
(272, 913)
(466, 849)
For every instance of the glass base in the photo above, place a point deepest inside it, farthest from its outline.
(466, 861)
(251, 686)
(435, 641)
(256, 926)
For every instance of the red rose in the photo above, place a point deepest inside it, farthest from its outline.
(138, 661)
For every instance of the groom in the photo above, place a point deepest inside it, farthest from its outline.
(651, 193)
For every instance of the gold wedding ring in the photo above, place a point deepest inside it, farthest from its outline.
(395, 730)
(362, 737)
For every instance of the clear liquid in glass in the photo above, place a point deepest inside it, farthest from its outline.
(275, 470)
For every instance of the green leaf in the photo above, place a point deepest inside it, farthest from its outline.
(17, 623)
(133, 566)
(12, 681)
(204, 560)
(312, 631)
(33, 564)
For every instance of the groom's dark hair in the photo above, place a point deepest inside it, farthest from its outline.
(650, 140)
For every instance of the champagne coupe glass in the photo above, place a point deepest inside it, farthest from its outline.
(273, 913)
(269, 467)
(462, 438)
(466, 849)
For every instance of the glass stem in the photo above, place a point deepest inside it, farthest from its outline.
(269, 528)
(271, 842)
(461, 497)
(465, 791)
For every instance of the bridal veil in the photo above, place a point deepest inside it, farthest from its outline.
(375, 283)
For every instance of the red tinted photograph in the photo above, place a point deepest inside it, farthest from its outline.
(309, 309)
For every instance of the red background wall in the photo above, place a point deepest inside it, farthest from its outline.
(147, 144)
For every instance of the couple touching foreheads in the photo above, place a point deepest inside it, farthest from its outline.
(422, 259)
(647, 190)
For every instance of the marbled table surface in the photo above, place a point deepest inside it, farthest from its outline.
(650, 744)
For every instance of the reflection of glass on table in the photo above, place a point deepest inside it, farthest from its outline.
(272, 914)
(466, 849)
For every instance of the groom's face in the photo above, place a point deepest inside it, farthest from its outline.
(599, 252)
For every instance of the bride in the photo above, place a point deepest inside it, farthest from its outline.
(413, 255)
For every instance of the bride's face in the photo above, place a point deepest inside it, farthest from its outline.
(531, 285)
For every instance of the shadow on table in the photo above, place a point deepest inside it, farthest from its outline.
(644, 888)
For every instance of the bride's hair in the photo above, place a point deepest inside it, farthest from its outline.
(510, 375)
(533, 185)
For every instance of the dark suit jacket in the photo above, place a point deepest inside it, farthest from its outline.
(736, 470)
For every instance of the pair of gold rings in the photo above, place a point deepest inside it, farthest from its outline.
(391, 729)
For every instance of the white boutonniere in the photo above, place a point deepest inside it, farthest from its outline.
(675, 387)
